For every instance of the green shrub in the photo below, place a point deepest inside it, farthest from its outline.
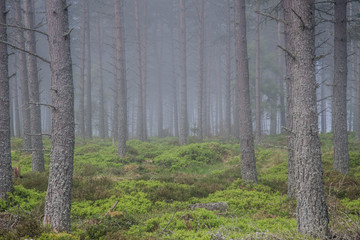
(91, 188)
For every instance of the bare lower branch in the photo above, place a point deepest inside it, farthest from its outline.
(23, 50)
(272, 17)
(42, 104)
(24, 28)
(287, 51)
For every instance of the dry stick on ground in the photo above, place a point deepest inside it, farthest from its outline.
(111, 209)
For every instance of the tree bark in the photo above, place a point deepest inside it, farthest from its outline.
(16, 108)
(281, 76)
(58, 197)
(183, 93)
(140, 110)
(228, 74)
(200, 86)
(88, 111)
(121, 77)
(248, 162)
(257, 76)
(22, 73)
(144, 70)
(312, 215)
(102, 108)
(357, 100)
(38, 164)
(339, 110)
(6, 184)
(289, 46)
(82, 72)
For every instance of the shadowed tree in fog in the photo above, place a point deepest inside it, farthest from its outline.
(228, 74)
(88, 108)
(121, 87)
(22, 75)
(34, 95)
(257, 76)
(339, 110)
(200, 87)
(102, 108)
(183, 93)
(6, 184)
(82, 71)
(248, 162)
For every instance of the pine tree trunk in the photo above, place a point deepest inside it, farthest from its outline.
(312, 215)
(339, 112)
(248, 162)
(16, 108)
(158, 54)
(121, 77)
(58, 198)
(228, 75)
(102, 108)
(140, 111)
(82, 71)
(6, 184)
(174, 86)
(144, 70)
(200, 85)
(38, 164)
(88, 110)
(183, 92)
(281, 77)
(289, 102)
(357, 100)
(257, 76)
(22, 73)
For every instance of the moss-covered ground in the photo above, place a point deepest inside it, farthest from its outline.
(157, 180)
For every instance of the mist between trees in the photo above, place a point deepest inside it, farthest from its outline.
(194, 69)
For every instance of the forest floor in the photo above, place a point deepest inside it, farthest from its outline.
(151, 188)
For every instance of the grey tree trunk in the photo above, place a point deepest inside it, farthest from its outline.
(102, 107)
(16, 108)
(357, 100)
(339, 110)
(38, 164)
(273, 115)
(144, 69)
(200, 85)
(174, 86)
(58, 197)
(140, 110)
(6, 184)
(248, 162)
(281, 76)
(88, 110)
(312, 215)
(82, 72)
(228, 74)
(159, 56)
(22, 74)
(257, 76)
(323, 108)
(289, 45)
(183, 93)
(121, 77)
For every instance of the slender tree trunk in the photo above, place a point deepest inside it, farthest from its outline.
(88, 112)
(183, 108)
(174, 86)
(357, 99)
(323, 108)
(6, 184)
(11, 107)
(200, 86)
(257, 75)
(273, 117)
(248, 162)
(22, 72)
(82, 71)
(160, 114)
(312, 215)
(140, 111)
(38, 164)
(102, 109)
(58, 197)
(121, 77)
(339, 112)
(289, 45)
(16, 107)
(281, 76)
(144, 70)
(228, 75)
